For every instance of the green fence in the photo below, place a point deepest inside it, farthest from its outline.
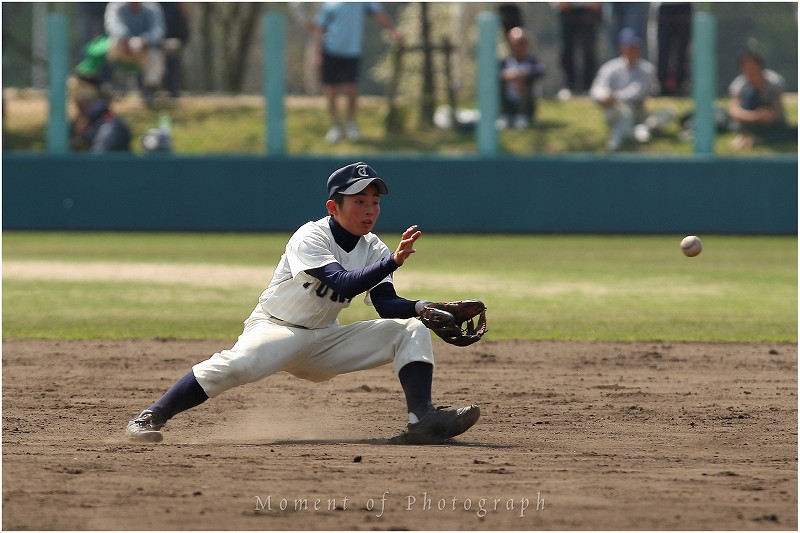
(560, 194)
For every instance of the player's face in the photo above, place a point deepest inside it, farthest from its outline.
(631, 52)
(358, 212)
(751, 70)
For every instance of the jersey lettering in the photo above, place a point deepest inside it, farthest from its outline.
(322, 291)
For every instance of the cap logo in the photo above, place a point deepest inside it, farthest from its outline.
(362, 171)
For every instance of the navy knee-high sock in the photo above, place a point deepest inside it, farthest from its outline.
(185, 394)
(417, 378)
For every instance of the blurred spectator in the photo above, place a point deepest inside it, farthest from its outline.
(518, 73)
(580, 22)
(621, 88)
(89, 23)
(93, 65)
(673, 33)
(136, 30)
(176, 21)
(339, 35)
(95, 128)
(756, 105)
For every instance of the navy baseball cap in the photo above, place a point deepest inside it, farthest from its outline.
(353, 179)
(628, 37)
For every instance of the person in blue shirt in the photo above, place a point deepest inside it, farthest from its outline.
(339, 38)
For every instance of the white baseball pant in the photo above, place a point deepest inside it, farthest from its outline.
(266, 347)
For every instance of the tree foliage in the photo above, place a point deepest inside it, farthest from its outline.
(227, 34)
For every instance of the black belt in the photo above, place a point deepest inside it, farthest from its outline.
(280, 322)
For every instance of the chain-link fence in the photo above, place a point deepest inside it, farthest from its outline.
(221, 61)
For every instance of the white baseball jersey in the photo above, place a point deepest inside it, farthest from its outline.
(303, 300)
(319, 348)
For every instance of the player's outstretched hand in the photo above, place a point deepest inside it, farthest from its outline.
(406, 246)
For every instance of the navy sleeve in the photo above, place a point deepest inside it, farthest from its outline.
(389, 304)
(351, 283)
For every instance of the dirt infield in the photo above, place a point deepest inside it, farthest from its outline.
(573, 436)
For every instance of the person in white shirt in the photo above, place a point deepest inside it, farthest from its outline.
(621, 88)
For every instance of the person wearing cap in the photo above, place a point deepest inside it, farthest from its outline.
(294, 327)
(621, 88)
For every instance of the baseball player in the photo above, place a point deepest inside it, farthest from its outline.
(294, 327)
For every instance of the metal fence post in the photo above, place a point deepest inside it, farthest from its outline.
(274, 27)
(488, 84)
(704, 80)
(57, 71)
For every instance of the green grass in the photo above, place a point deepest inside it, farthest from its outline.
(205, 125)
(536, 287)
(561, 127)
(107, 310)
(217, 248)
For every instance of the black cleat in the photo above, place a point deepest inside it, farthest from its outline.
(438, 425)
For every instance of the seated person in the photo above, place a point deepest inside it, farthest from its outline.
(621, 89)
(518, 73)
(94, 67)
(756, 105)
(137, 30)
(95, 128)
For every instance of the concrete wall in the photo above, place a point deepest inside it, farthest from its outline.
(628, 194)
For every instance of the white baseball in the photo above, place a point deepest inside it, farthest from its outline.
(691, 246)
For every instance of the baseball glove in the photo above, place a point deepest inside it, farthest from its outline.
(459, 323)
